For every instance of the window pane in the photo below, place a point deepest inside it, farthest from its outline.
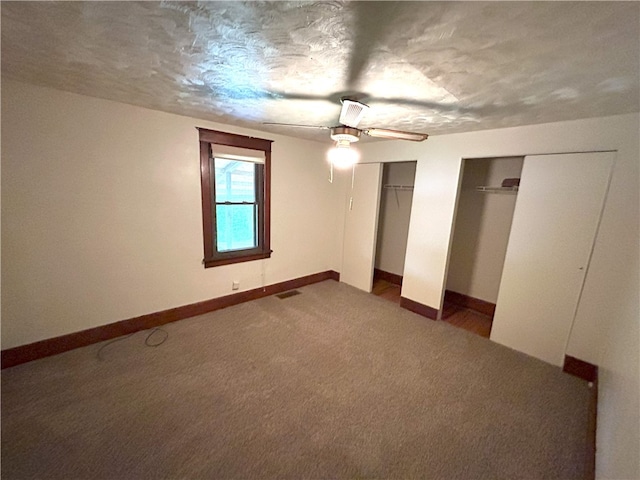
(235, 181)
(236, 227)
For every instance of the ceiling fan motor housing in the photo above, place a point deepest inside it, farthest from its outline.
(345, 134)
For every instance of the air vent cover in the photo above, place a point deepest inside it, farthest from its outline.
(352, 112)
(288, 294)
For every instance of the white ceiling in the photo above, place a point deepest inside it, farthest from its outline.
(432, 67)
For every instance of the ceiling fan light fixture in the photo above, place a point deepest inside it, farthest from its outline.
(345, 133)
(342, 155)
(395, 134)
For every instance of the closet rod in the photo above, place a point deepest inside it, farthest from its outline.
(512, 190)
(398, 187)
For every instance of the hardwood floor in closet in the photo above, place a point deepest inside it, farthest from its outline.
(454, 314)
(468, 319)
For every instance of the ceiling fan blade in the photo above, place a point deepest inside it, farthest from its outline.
(440, 107)
(276, 95)
(360, 97)
(372, 21)
(352, 112)
(296, 125)
(395, 134)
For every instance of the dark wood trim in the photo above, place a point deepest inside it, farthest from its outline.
(419, 308)
(234, 139)
(53, 346)
(480, 306)
(208, 140)
(266, 207)
(215, 262)
(589, 372)
(590, 467)
(579, 368)
(387, 276)
(207, 206)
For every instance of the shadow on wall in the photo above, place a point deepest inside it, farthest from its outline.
(395, 212)
(482, 227)
(469, 216)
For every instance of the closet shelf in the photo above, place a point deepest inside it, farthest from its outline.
(509, 190)
(398, 187)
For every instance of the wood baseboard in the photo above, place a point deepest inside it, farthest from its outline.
(579, 368)
(45, 348)
(590, 467)
(387, 276)
(480, 306)
(589, 372)
(419, 308)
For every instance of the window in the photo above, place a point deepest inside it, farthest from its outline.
(235, 178)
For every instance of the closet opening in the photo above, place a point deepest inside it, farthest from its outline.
(484, 213)
(396, 196)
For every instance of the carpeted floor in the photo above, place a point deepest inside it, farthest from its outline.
(331, 383)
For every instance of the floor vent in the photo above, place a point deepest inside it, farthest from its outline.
(288, 294)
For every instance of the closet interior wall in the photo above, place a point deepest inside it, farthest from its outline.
(482, 227)
(395, 210)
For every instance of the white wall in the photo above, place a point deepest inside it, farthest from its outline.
(606, 330)
(102, 221)
(395, 210)
(482, 227)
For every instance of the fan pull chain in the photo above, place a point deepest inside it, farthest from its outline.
(353, 175)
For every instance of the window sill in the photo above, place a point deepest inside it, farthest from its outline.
(216, 262)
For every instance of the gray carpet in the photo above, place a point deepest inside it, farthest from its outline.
(331, 383)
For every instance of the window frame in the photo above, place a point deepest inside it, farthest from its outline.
(212, 257)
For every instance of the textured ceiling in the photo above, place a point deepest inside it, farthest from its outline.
(432, 67)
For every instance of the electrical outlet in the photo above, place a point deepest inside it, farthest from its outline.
(235, 285)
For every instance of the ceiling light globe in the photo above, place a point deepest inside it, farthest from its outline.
(343, 156)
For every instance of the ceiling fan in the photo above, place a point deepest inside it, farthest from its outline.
(347, 132)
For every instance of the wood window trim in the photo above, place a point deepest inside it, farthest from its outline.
(213, 137)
